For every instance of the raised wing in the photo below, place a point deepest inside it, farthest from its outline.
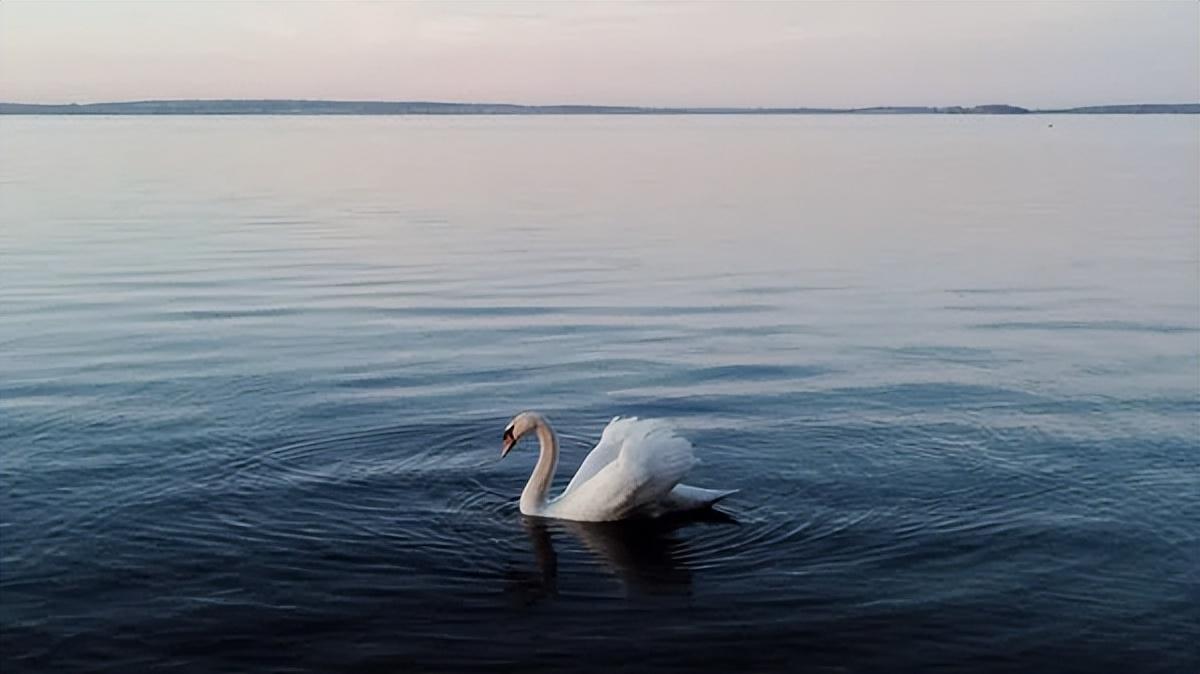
(650, 460)
(604, 452)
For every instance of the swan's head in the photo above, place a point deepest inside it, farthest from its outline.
(519, 427)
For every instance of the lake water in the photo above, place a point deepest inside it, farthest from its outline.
(254, 373)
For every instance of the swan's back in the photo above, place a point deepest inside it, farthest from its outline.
(635, 465)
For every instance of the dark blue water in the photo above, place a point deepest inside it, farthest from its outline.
(254, 372)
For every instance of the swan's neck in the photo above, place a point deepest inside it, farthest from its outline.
(533, 498)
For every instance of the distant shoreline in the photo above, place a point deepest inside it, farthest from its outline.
(315, 107)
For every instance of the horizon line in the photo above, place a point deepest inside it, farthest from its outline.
(579, 105)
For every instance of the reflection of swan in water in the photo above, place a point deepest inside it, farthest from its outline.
(642, 554)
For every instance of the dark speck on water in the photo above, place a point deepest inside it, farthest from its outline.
(254, 373)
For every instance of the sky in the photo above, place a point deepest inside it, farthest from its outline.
(837, 54)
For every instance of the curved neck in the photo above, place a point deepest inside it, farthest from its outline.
(533, 498)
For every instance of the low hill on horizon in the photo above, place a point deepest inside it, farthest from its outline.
(320, 107)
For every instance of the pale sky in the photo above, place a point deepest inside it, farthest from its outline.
(1036, 54)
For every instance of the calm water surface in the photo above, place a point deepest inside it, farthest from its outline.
(254, 371)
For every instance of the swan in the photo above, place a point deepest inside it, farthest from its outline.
(634, 471)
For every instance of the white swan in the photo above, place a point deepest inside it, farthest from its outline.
(634, 471)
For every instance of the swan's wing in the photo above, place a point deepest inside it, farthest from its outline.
(651, 459)
(604, 452)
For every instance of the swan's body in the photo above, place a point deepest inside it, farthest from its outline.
(634, 471)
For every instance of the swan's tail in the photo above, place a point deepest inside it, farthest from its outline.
(687, 497)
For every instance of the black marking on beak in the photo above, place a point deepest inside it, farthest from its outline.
(509, 441)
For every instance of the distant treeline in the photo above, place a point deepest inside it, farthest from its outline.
(298, 107)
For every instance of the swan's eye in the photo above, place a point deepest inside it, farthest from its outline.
(508, 433)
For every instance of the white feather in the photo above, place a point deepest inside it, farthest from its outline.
(633, 470)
